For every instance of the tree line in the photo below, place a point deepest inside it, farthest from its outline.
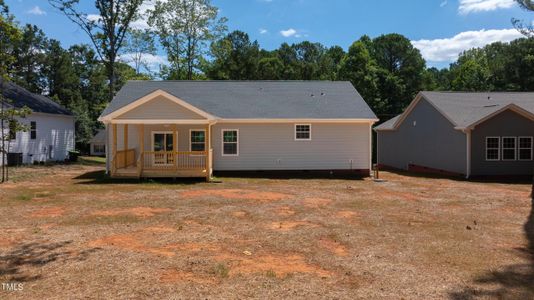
(387, 70)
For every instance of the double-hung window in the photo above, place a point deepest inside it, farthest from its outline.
(198, 140)
(493, 148)
(302, 132)
(33, 130)
(525, 148)
(230, 140)
(509, 148)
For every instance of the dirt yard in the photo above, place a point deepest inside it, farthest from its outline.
(67, 232)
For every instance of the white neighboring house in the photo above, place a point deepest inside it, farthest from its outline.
(51, 134)
(98, 143)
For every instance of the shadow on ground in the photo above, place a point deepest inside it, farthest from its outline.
(100, 177)
(480, 179)
(20, 263)
(513, 281)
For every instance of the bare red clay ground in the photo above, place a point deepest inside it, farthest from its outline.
(407, 238)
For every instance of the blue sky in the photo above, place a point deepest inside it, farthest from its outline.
(439, 28)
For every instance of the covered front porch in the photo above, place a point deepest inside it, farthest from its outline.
(149, 150)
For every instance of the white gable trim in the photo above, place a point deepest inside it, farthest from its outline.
(159, 93)
(512, 107)
(411, 107)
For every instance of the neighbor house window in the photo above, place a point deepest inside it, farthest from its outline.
(33, 130)
(12, 130)
(99, 148)
(493, 146)
(198, 140)
(302, 132)
(509, 148)
(525, 148)
(230, 139)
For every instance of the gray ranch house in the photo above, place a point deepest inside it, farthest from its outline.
(472, 134)
(51, 129)
(192, 128)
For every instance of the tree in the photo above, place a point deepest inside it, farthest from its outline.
(106, 31)
(523, 27)
(185, 27)
(236, 58)
(401, 69)
(270, 68)
(137, 46)
(359, 68)
(30, 56)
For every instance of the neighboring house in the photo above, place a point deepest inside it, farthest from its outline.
(472, 134)
(98, 144)
(51, 127)
(191, 128)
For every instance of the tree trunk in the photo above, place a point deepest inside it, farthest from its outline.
(2, 136)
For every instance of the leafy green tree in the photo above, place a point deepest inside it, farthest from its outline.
(360, 69)
(138, 44)
(185, 27)
(401, 69)
(106, 31)
(270, 68)
(527, 29)
(236, 57)
(471, 72)
(30, 56)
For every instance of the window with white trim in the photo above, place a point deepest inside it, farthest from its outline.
(198, 140)
(525, 148)
(302, 132)
(33, 130)
(509, 148)
(230, 140)
(493, 147)
(99, 148)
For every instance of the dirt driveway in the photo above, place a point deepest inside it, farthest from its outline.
(66, 232)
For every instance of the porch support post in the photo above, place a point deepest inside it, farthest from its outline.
(175, 146)
(114, 151)
(141, 129)
(208, 150)
(125, 146)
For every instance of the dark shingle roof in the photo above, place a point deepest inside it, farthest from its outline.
(257, 99)
(19, 97)
(99, 137)
(467, 108)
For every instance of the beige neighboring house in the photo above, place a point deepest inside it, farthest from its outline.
(193, 128)
(98, 144)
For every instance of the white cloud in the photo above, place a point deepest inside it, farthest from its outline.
(448, 49)
(444, 3)
(289, 32)
(473, 6)
(263, 31)
(36, 10)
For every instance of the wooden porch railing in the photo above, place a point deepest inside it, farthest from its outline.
(124, 159)
(170, 161)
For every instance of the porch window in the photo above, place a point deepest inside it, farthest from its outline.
(525, 148)
(198, 140)
(509, 149)
(33, 130)
(493, 147)
(302, 132)
(230, 139)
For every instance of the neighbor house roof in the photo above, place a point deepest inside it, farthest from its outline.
(19, 97)
(464, 109)
(256, 99)
(99, 137)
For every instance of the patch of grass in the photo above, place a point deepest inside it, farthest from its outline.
(24, 197)
(270, 274)
(91, 160)
(221, 270)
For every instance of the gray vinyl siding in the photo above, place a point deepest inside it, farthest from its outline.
(506, 124)
(273, 147)
(425, 138)
(160, 109)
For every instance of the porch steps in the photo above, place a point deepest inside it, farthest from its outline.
(130, 172)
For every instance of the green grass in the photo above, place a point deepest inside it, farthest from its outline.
(92, 160)
(221, 270)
